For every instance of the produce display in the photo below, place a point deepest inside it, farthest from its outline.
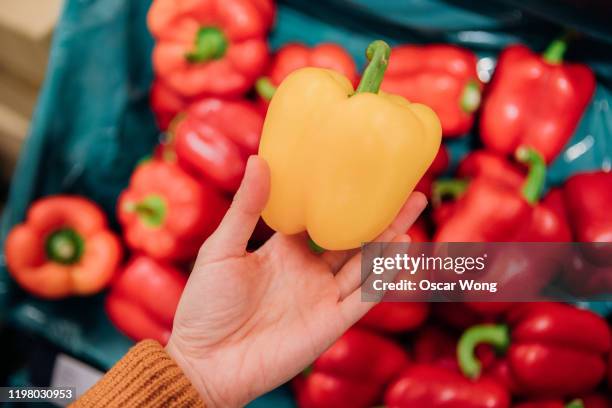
(346, 147)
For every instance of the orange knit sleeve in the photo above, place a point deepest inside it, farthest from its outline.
(145, 377)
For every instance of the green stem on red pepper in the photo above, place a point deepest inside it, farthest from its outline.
(210, 44)
(64, 246)
(577, 403)
(453, 188)
(496, 335)
(555, 51)
(265, 88)
(151, 210)
(534, 183)
(470, 97)
(378, 53)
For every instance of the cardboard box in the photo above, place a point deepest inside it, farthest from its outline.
(26, 28)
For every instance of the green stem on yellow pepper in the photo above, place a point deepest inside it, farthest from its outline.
(378, 56)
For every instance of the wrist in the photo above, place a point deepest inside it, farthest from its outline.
(199, 383)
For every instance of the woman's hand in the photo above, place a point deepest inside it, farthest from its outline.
(248, 322)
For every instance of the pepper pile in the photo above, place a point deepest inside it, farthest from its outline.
(215, 82)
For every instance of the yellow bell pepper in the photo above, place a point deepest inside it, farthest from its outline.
(343, 162)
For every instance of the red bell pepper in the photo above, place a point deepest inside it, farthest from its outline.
(551, 350)
(395, 317)
(143, 299)
(352, 373)
(432, 386)
(476, 164)
(587, 197)
(535, 101)
(293, 56)
(491, 211)
(63, 248)
(215, 138)
(494, 196)
(440, 76)
(165, 104)
(167, 214)
(210, 47)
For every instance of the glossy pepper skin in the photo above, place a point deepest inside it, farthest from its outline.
(63, 248)
(440, 76)
(352, 373)
(493, 211)
(432, 386)
(495, 208)
(587, 198)
(144, 297)
(551, 350)
(343, 162)
(395, 317)
(210, 47)
(548, 218)
(293, 56)
(166, 213)
(549, 222)
(445, 193)
(534, 100)
(215, 138)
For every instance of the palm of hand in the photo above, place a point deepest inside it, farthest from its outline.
(248, 322)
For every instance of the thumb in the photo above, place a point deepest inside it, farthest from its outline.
(232, 235)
